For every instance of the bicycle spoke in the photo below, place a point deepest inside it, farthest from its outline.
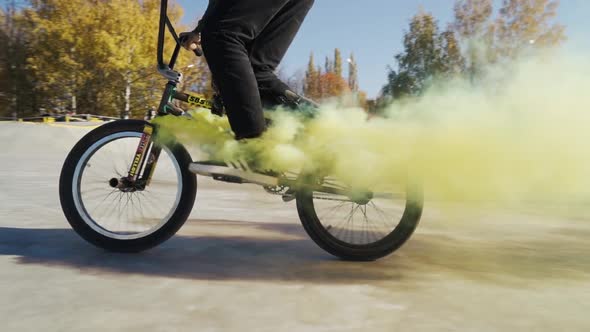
(106, 197)
(125, 212)
(359, 223)
(332, 210)
(383, 214)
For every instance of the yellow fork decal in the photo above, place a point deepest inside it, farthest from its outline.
(140, 153)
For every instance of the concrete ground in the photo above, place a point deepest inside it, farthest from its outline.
(244, 263)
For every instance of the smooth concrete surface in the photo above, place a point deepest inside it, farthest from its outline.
(243, 263)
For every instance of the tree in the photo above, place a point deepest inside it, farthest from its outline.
(427, 55)
(337, 63)
(399, 84)
(332, 86)
(5, 66)
(132, 49)
(527, 24)
(353, 84)
(452, 61)
(474, 28)
(420, 60)
(327, 83)
(329, 66)
(472, 18)
(520, 26)
(297, 81)
(98, 56)
(16, 84)
(59, 51)
(360, 97)
(312, 79)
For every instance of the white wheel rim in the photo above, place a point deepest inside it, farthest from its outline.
(79, 204)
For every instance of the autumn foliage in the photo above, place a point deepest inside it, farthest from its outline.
(328, 82)
(77, 56)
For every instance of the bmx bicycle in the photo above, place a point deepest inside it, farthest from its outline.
(123, 190)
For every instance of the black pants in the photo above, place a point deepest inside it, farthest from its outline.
(244, 41)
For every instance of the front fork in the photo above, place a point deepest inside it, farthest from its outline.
(146, 158)
(147, 153)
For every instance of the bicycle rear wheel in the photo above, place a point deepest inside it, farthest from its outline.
(359, 225)
(119, 218)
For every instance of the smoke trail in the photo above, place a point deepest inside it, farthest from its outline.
(519, 135)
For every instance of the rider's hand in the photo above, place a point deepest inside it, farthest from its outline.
(191, 41)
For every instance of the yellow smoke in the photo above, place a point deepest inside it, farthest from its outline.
(521, 135)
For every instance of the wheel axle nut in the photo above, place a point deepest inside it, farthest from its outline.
(114, 182)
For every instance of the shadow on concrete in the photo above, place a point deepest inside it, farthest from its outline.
(499, 260)
(197, 257)
(282, 252)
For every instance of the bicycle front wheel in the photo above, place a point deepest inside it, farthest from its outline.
(114, 217)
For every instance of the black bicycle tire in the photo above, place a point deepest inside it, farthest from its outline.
(352, 252)
(178, 218)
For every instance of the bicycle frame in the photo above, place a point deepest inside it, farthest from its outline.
(147, 152)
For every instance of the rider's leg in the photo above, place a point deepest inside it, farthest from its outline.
(270, 46)
(227, 35)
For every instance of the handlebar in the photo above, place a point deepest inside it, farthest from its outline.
(165, 23)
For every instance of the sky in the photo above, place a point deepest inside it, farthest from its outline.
(373, 30)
